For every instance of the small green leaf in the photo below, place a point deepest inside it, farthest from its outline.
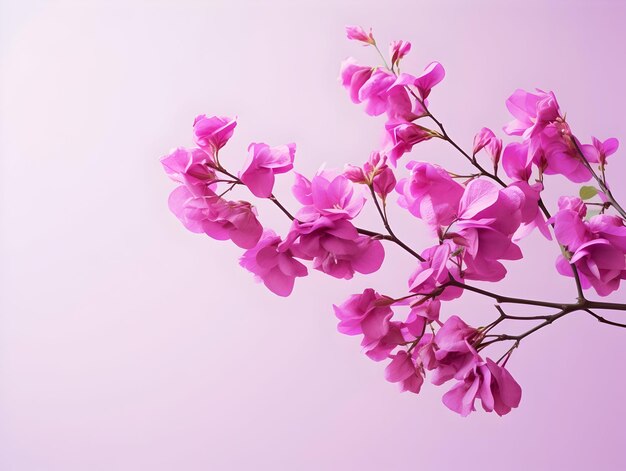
(588, 192)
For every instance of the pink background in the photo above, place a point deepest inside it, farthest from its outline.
(128, 343)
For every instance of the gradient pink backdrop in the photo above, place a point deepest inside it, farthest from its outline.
(128, 343)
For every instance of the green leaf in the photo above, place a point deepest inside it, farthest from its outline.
(588, 192)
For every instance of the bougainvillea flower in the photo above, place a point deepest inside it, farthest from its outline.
(557, 154)
(486, 139)
(327, 194)
(532, 112)
(374, 172)
(356, 33)
(397, 50)
(610, 228)
(430, 194)
(370, 314)
(336, 247)
(263, 163)
(426, 349)
(600, 264)
(216, 217)
(454, 353)
(597, 247)
(211, 134)
(569, 228)
(436, 270)
(381, 91)
(423, 312)
(400, 107)
(401, 137)
(191, 167)
(353, 76)
(489, 382)
(379, 349)
(385, 182)
(532, 216)
(598, 151)
(572, 203)
(426, 81)
(273, 264)
(488, 219)
(402, 369)
(517, 161)
(374, 92)
(366, 312)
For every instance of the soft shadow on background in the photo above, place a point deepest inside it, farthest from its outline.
(128, 343)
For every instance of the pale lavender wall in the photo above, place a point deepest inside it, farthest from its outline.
(128, 343)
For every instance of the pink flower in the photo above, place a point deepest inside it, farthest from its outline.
(374, 172)
(573, 203)
(430, 194)
(327, 194)
(380, 90)
(356, 33)
(216, 217)
(402, 369)
(599, 151)
(532, 112)
(380, 349)
(263, 163)
(423, 312)
(397, 50)
(532, 216)
(569, 228)
(490, 383)
(370, 314)
(385, 182)
(336, 247)
(211, 134)
(555, 153)
(454, 353)
(401, 137)
(435, 271)
(549, 142)
(367, 313)
(426, 350)
(273, 264)
(600, 264)
(353, 77)
(433, 74)
(400, 106)
(191, 167)
(597, 248)
(517, 161)
(486, 139)
(488, 219)
(375, 92)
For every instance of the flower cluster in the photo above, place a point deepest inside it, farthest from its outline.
(596, 247)
(450, 354)
(321, 233)
(476, 221)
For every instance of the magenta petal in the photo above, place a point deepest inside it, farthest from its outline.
(260, 181)
(479, 195)
(370, 259)
(400, 368)
(279, 283)
(432, 75)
